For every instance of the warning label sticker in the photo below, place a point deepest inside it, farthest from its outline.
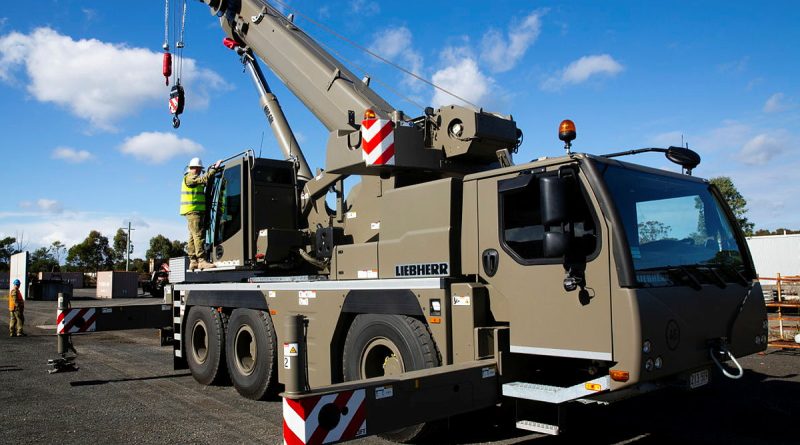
(461, 301)
(290, 350)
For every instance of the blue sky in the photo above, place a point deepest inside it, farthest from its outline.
(88, 144)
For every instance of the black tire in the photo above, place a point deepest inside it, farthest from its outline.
(205, 345)
(382, 344)
(252, 353)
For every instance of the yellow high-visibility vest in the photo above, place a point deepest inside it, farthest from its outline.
(193, 199)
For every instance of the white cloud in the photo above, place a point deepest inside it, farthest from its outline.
(396, 44)
(89, 13)
(461, 76)
(763, 147)
(582, 69)
(49, 205)
(501, 53)
(71, 227)
(775, 104)
(41, 204)
(365, 7)
(71, 155)
(157, 147)
(96, 81)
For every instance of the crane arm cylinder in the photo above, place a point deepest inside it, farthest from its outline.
(277, 120)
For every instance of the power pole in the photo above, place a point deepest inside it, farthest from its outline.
(128, 245)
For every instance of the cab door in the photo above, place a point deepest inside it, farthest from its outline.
(545, 318)
(228, 222)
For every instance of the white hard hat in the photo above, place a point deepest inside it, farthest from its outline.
(196, 162)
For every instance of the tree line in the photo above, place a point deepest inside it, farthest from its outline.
(95, 253)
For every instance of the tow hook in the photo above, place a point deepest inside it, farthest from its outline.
(719, 347)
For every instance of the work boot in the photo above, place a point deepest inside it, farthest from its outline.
(11, 334)
(193, 265)
(206, 265)
(22, 334)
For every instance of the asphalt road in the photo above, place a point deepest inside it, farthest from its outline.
(127, 392)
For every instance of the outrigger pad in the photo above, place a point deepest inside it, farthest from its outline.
(62, 364)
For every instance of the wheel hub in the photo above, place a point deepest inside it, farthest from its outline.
(200, 342)
(245, 350)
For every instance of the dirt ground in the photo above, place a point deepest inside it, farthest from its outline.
(127, 392)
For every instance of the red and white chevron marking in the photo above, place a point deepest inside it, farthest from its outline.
(173, 105)
(377, 146)
(75, 320)
(301, 418)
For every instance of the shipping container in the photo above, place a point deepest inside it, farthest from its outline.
(775, 254)
(117, 284)
(73, 278)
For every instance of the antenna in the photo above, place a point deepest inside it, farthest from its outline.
(261, 144)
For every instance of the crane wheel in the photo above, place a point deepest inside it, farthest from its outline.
(205, 345)
(382, 345)
(251, 353)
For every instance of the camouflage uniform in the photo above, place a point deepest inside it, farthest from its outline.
(194, 208)
(16, 307)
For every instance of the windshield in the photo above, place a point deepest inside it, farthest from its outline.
(674, 228)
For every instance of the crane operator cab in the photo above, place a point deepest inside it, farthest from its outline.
(252, 201)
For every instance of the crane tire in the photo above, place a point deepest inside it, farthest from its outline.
(388, 344)
(252, 353)
(205, 345)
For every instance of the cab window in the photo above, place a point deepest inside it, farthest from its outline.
(521, 228)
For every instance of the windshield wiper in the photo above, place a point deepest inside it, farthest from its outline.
(686, 276)
(720, 282)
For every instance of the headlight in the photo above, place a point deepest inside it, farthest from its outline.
(648, 365)
(658, 363)
(646, 347)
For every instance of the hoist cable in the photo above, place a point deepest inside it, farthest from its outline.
(166, 25)
(373, 54)
(181, 44)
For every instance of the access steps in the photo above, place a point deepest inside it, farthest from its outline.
(554, 395)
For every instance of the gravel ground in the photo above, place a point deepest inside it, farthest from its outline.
(127, 392)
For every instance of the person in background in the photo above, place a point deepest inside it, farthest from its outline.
(16, 307)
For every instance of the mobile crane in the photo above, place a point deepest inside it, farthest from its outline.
(449, 279)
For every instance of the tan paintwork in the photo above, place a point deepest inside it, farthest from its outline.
(407, 215)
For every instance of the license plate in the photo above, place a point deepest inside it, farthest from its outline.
(698, 379)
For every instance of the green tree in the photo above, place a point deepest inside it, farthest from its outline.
(161, 248)
(42, 260)
(120, 249)
(735, 201)
(6, 250)
(653, 231)
(58, 250)
(139, 265)
(92, 254)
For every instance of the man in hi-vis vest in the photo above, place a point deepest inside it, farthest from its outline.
(193, 206)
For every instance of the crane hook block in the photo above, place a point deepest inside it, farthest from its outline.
(166, 67)
(176, 99)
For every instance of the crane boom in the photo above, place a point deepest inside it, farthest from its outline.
(320, 81)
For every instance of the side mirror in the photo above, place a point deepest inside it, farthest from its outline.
(553, 192)
(555, 244)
